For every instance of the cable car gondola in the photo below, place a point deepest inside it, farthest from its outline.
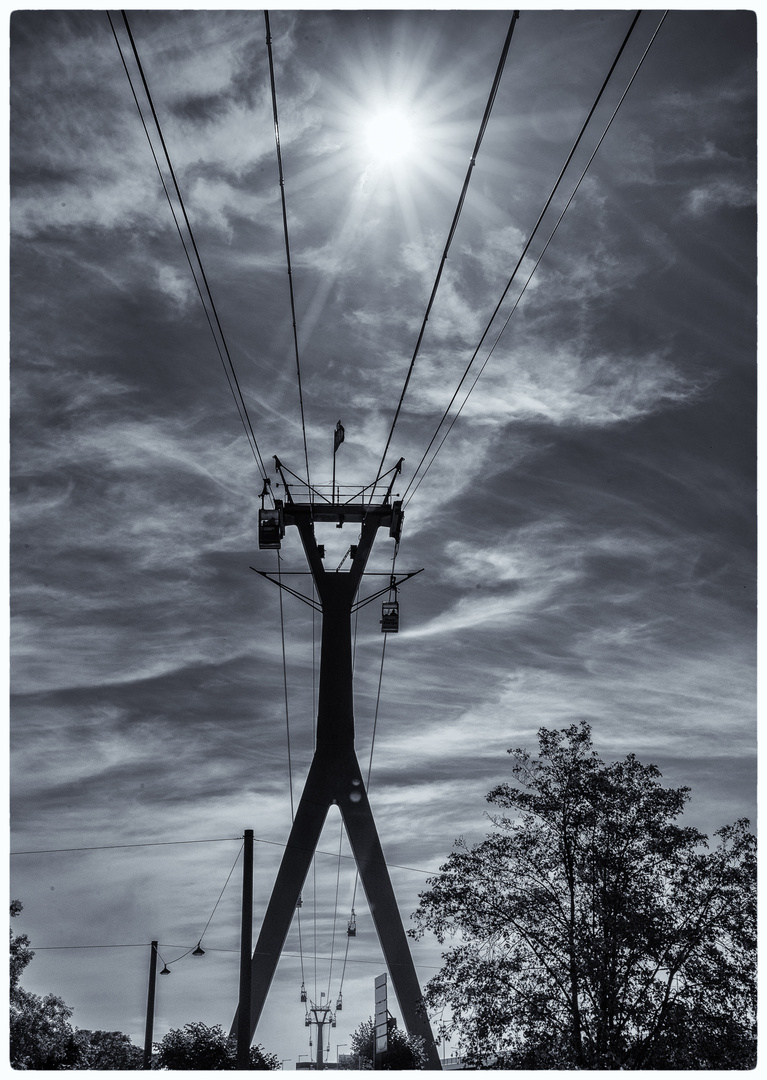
(303, 992)
(390, 617)
(351, 930)
(271, 527)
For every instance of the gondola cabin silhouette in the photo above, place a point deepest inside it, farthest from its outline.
(390, 617)
(271, 527)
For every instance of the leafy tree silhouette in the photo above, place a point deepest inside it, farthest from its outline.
(589, 930)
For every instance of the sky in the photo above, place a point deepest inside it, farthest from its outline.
(586, 532)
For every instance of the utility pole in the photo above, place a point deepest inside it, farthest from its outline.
(147, 1063)
(335, 776)
(246, 946)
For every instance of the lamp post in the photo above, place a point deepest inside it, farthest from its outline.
(338, 1047)
(246, 946)
(147, 1064)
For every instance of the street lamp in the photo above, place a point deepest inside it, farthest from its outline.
(338, 1047)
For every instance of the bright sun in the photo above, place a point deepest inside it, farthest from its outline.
(390, 135)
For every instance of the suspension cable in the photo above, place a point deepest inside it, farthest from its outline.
(370, 767)
(234, 382)
(287, 241)
(314, 912)
(301, 949)
(335, 907)
(530, 239)
(213, 912)
(285, 685)
(172, 209)
(451, 233)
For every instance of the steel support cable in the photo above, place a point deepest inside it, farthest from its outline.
(314, 912)
(224, 839)
(335, 907)
(285, 685)
(314, 668)
(254, 450)
(207, 924)
(529, 277)
(370, 769)
(380, 681)
(287, 241)
(526, 248)
(301, 948)
(451, 233)
(117, 847)
(213, 912)
(180, 198)
(143, 945)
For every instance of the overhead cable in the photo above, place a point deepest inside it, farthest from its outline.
(335, 908)
(144, 944)
(166, 843)
(287, 241)
(218, 333)
(213, 912)
(406, 497)
(115, 847)
(370, 769)
(285, 686)
(451, 233)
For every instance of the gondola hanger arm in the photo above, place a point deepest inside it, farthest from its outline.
(387, 588)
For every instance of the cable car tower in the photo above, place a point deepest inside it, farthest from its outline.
(335, 776)
(323, 1016)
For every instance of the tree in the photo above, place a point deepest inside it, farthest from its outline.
(40, 1033)
(197, 1046)
(41, 1036)
(591, 931)
(107, 1050)
(405, 1051)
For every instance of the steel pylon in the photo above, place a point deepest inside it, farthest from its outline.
(335, 776)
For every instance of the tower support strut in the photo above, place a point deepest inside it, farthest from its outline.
(335, 777)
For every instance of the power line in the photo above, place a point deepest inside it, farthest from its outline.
(233, 381)
(529, 241)
(115, 847)
(451, 233)
(146, 944)
(213, 912)
(287, 241)
(166, 843)
(61, 948)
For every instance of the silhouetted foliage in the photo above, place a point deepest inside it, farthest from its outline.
(40, 1033)
(197, 1046)
(107, 1050)
(41, 1036)
(592, 931)
(405, 1051)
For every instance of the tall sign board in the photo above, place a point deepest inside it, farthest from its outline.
(382, 1019)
